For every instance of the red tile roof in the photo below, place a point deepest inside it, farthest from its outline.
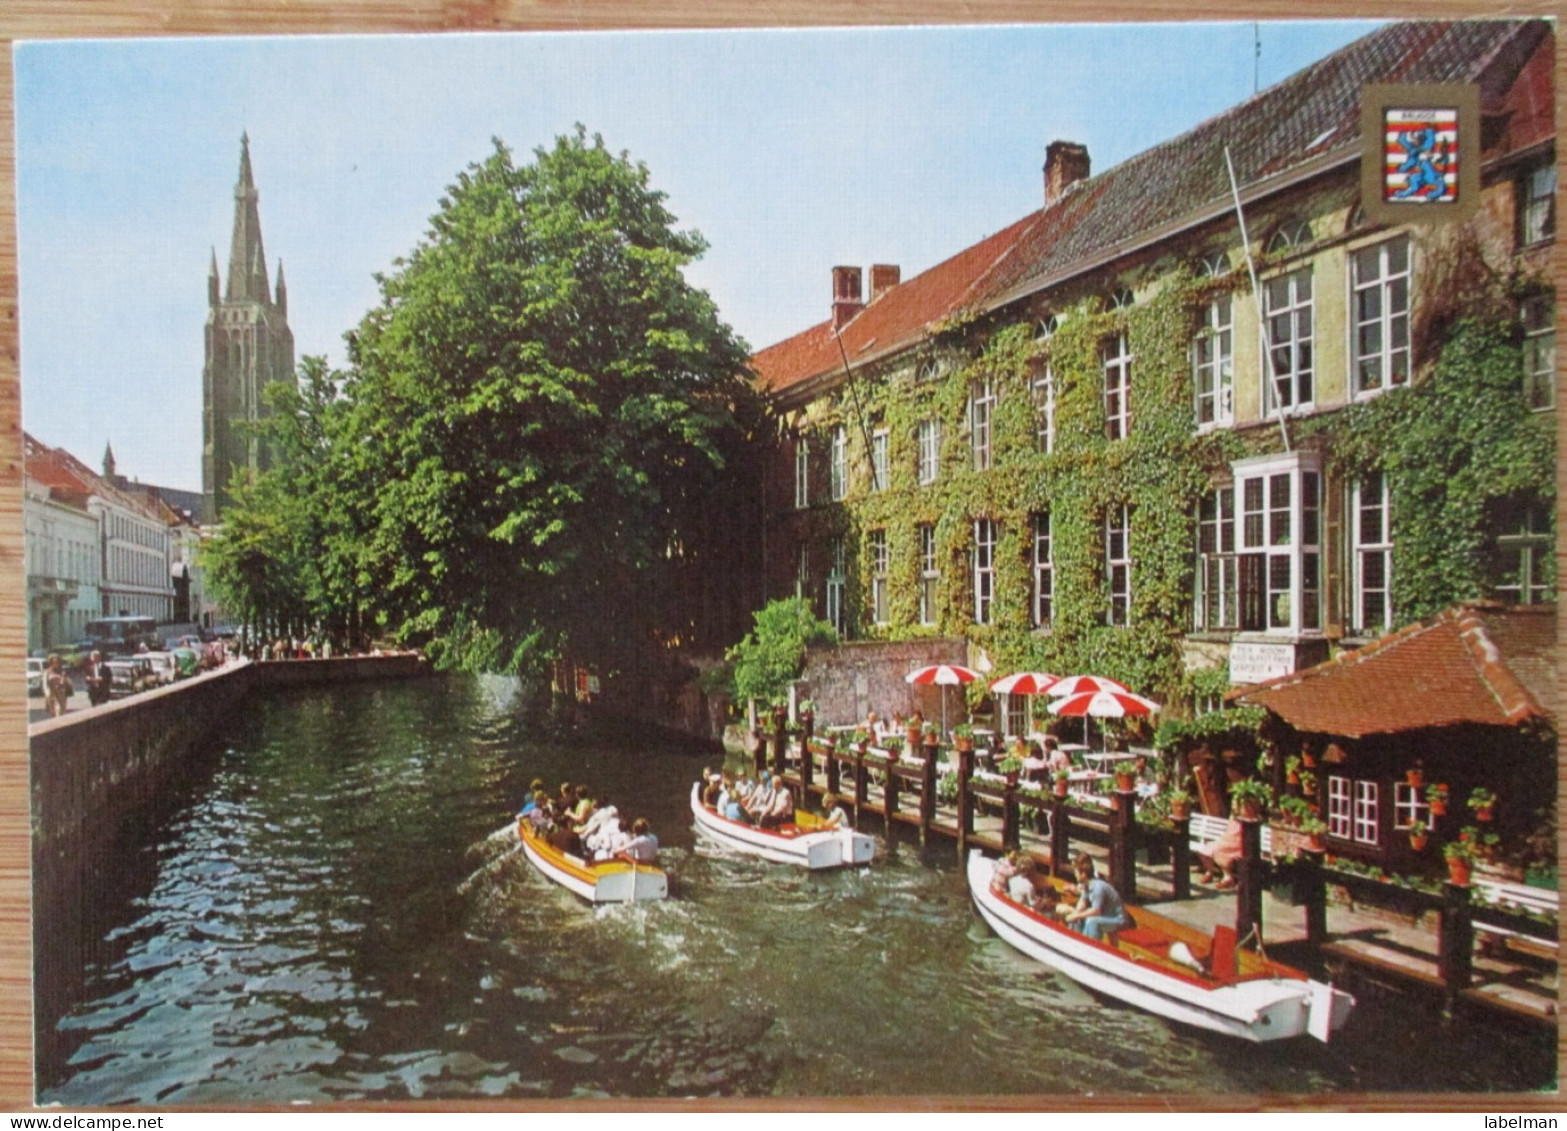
(1471, 664)
(69, 479)
(899, 317)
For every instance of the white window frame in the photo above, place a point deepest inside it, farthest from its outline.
(880, 443)
(838, 465)
(1044, 571)
(929, 445)
(1538, 314)
(1371, 551)
(1118, 566)
(1379, 313)
(1285, 533)
(1116, 359)
(879, 563)
(1409, 806)
(1530, 538)
(1367, 816)
(802, 571)
(1044, 389)
(1340, 814)
(1216, 576)
(837, 577)
(982, 404)
(984, 568)
(1291, 357)
(930, 573)
(1213, 364)
(1537, 205)
(802, 473)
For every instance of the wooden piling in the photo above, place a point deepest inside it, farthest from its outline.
(1181, 858)
(1250, 876)
(1123, 844)
(927, 792)
(1455, 940)
(965, 801)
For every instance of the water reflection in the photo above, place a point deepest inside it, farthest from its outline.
(335, 909)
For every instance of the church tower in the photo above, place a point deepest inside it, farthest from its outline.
(249, 345)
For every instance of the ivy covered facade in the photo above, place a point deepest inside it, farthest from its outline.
(1090, 443)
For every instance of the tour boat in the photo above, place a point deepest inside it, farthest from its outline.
(1236, 992)
(800, 842)
(612, 881)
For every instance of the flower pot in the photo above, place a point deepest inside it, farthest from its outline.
(1125, 783)
(1059, 788)
(1458, 871)
(915, 739)
(1308, 760)
(1438, 808)
(1011, 778)
(1316, 843)
(1251, 811)
(1180, 811)
(1293, 777)
(1483, 813)
(1418, 843)
(963, 744)
(1416, 778)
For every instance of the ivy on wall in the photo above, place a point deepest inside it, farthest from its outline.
(1452, 445)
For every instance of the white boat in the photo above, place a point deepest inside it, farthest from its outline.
(611, 881)
(1237, 992)
(800, 842)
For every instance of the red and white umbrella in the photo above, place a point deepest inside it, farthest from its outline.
(942, 675)
(1025, 683)
(1104, 704)
(1078, 684)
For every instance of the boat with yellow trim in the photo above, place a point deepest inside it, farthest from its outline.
(620, 880)
(804, 840)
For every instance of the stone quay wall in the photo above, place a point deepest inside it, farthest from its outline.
(850, 680)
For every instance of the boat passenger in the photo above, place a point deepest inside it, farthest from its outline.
(540, 816)
(643, 846)
(779, 811)
(735, 811)
(604, 815)
(565, 839)
(1099, 909)
(833, 814)
(582, 807)
(711, 784)
(760, 802)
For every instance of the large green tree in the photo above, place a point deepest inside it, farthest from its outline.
(536, 409)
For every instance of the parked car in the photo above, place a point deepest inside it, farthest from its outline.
(130, 675)
(35, 675)
(164, 668)
(187, 661)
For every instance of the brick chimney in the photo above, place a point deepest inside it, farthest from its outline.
(846, 301)
(884, 276)
(1066, 163)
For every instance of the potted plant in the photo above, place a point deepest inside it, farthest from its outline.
(963, 736)
(1058, 782)
(1010, 766)
(1459, 855)
(1308, 760)
(893, 745)
(807, 711)
(860, 740)
(1125, 778)
(1415, 775)
(1292, 770)
(1436, 797)
(915, 733)
(1419, 834)
(1316, 831)
(1180, 804)
(1250, 798)
(1482, 801)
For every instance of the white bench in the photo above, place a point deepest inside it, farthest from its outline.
(1205, 830)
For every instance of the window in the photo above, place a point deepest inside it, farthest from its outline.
(929, 438)
(1380, 345)
(1048, 325)
(1216, 564)
(838, 464)
(929, 574)
(1365, 828)
(1292, 235)
(878, 577)
(1044, 571)
(1016, 715)
(1537, 206)
(1118, 565)
(1121, 298)
(802, 571)
(1288, 322)
(1213, 363)
(984, 568)
(1408, 806)
(1539, 351)
(1373, 556)
(802, 473)
(836, 574)
(981, 405)
(1279, 567)
(1339, 823)
(1523, 544)
(1118, 386)
(879, 441)
(1045, 412)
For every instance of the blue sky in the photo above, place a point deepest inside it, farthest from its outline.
(790, 151)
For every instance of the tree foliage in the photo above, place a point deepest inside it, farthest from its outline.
(773, 652)
(529, 418)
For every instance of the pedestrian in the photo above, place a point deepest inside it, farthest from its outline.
(57, 687)
(100, 680)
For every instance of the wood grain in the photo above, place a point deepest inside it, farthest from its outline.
(24, 19)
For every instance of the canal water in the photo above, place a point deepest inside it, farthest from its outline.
(333, 908)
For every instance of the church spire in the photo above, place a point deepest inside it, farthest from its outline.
(212, 280)
(247, 259)
(281, 299)
(108, 461)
